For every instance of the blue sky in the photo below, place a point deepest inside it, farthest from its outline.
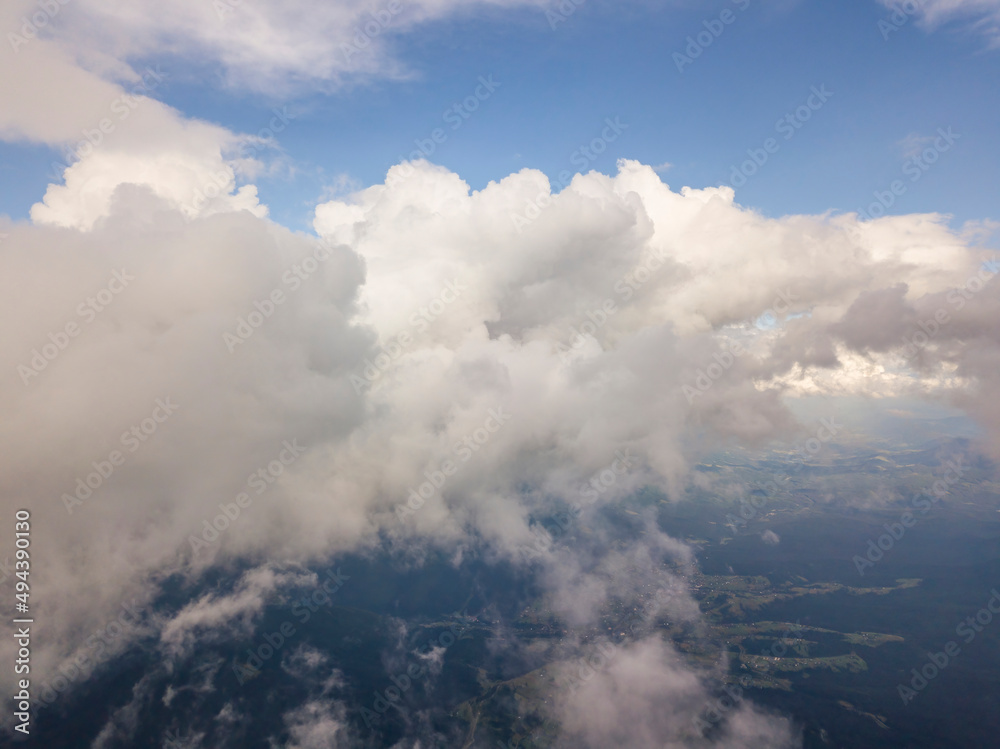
(557, 87)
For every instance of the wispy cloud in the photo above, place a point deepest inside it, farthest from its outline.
(979, 16)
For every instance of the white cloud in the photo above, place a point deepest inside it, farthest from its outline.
(264, 45)
(196, 186)
(112, 133)
(319, 724)
(226, 615)
(644, 696)
(505, 340)
(913, 144)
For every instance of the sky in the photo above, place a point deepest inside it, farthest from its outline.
(246, 321)
(891, 87)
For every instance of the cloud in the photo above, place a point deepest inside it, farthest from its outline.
(111, 132)
(982, 16)
(124, 722)
(643, 695)
(159, 339)
(770, 538)
(319, 724)
(175, 175)
(913, 144)
(265, 45)
(582, 578)
(213, 616)
(533, 355)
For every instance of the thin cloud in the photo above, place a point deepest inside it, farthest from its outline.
(979, 16)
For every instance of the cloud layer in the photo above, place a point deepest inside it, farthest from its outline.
(300, 422)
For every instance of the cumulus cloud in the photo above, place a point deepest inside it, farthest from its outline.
(158, 340)
(109, 130)
(535, 356)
